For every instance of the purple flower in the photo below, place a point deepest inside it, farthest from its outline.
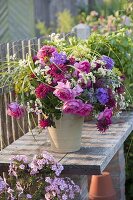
(58, 58)
(83, 66)
(22, 166)
(108, 61)
(15, 110)
(104, 119)
(102, 95)
(29, 196)
(103, 124)
(2, 185)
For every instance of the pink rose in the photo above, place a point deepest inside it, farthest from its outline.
(72, 106)
(85, 110)
(83, 66)
(15, 110)
(64, 94)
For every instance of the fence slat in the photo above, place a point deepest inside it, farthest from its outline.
(9, 128)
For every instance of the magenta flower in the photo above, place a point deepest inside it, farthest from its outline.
(42, 90)
(57, 72)
(72, 106)
(45, 51)
(103, 124)
(83, 66)
(64, 94)
(104, 119)
(34, 58)
(43, 123)
(85, 110)
(15, 110)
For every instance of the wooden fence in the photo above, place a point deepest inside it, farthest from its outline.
(11, 129)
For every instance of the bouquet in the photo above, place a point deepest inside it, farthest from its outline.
(57, 81)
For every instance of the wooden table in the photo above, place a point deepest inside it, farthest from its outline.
(96, 150)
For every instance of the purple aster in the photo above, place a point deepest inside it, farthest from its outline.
(108, 61)
(29, 196)
(2, 185)
(58, 58)
(102, 95)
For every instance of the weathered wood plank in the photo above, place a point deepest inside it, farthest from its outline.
(96, 150)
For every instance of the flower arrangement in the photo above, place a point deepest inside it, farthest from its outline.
(55, 82)
(39, 179)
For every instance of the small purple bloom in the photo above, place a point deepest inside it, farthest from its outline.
(29, 196)
(58, 58)
(108, 61)
(15, 110)
(102, 95)
(2, 185)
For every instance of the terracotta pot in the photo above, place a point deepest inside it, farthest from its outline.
(66, 137)
(101, 187)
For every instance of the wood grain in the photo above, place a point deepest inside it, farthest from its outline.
(96, 149)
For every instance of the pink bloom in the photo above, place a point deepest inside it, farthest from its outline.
(107, 113)
(42, 90)
(77, 90)
(15, 110)
(63, 91)
(85, 110)
(64, 94)
(45, 51)
(72, 60)
(34, 58)
(104, 119)
(57, 72)
(83, 66)
(43, 123)
(72, 106)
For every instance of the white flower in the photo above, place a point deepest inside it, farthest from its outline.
(102, 71)
(92, 77)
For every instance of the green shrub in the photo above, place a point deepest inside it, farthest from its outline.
(65, 21)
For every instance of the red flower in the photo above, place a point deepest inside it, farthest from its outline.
(43, 123)
(42, 90)
(57, 72)
(45, 51)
